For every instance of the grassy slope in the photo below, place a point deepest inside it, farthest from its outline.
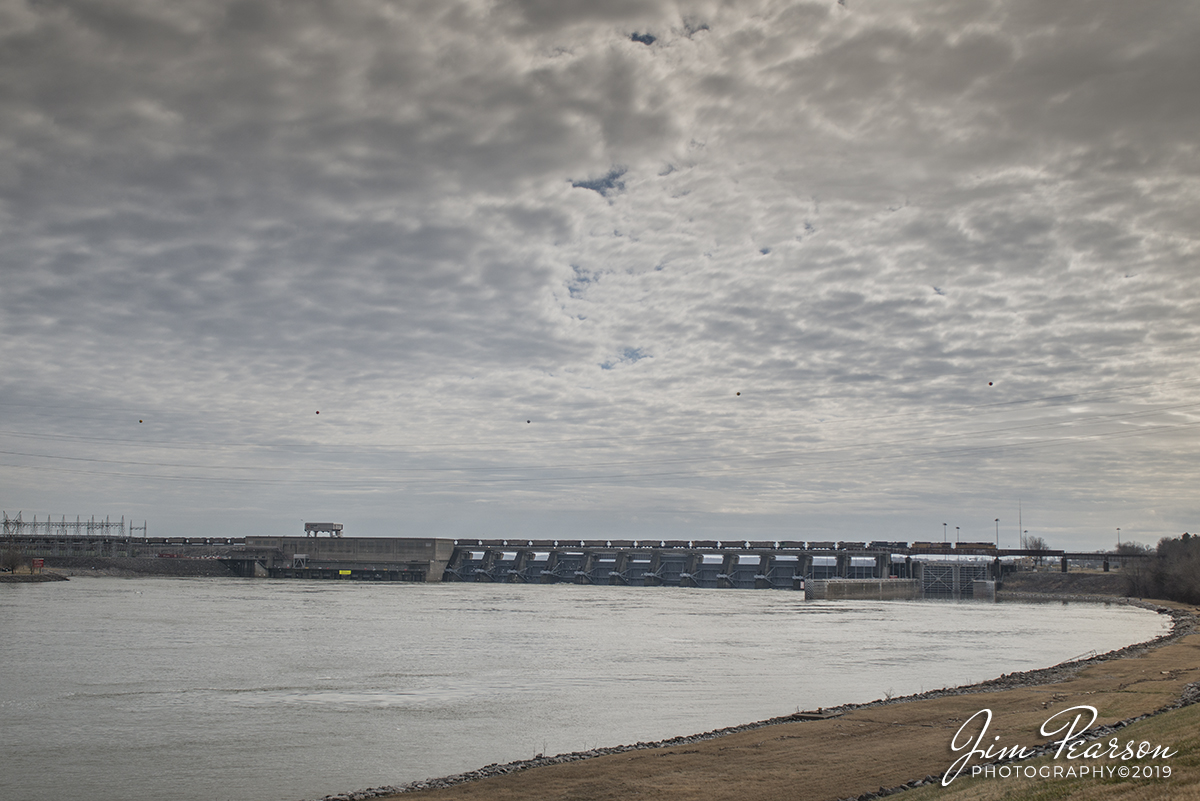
(1178, 729)
(1077, 582)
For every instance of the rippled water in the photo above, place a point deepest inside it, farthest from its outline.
(250, 689)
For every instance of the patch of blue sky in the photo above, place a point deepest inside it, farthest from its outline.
(611, 183)
(627, 356)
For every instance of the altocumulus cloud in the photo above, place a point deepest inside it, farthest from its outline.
(808, 268)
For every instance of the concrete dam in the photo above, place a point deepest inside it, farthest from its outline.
(820, 570)
(875, 570)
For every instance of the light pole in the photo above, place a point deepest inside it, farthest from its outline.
(997, 532)
(1118, 536)
(943, 533)
(1025, 540)
(956, 535)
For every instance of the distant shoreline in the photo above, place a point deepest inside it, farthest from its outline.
(136, 567)
(30, 578)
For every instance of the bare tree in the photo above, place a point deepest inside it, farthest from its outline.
(11, 559)
(1036, 544)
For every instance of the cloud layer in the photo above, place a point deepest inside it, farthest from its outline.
(832, 270)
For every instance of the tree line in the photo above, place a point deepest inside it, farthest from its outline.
(1174, 573)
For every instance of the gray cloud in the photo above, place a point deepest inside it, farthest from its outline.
(221, 217)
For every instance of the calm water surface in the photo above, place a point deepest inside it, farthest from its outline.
(271, 690)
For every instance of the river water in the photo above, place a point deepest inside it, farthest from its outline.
(208, 689)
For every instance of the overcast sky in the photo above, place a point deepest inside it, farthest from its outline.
(603, 268)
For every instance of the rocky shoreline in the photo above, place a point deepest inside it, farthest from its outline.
(1039, 597)
(1183, 623)
(30, 578)
(136, 567)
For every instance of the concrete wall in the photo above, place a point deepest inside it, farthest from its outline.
(426, 554)
(983, 590)
(862, 589)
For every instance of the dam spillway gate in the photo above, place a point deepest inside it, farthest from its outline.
(819, 572)
(760, 568)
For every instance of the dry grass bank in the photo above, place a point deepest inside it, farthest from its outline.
(1076, 582)
(1180, 728)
